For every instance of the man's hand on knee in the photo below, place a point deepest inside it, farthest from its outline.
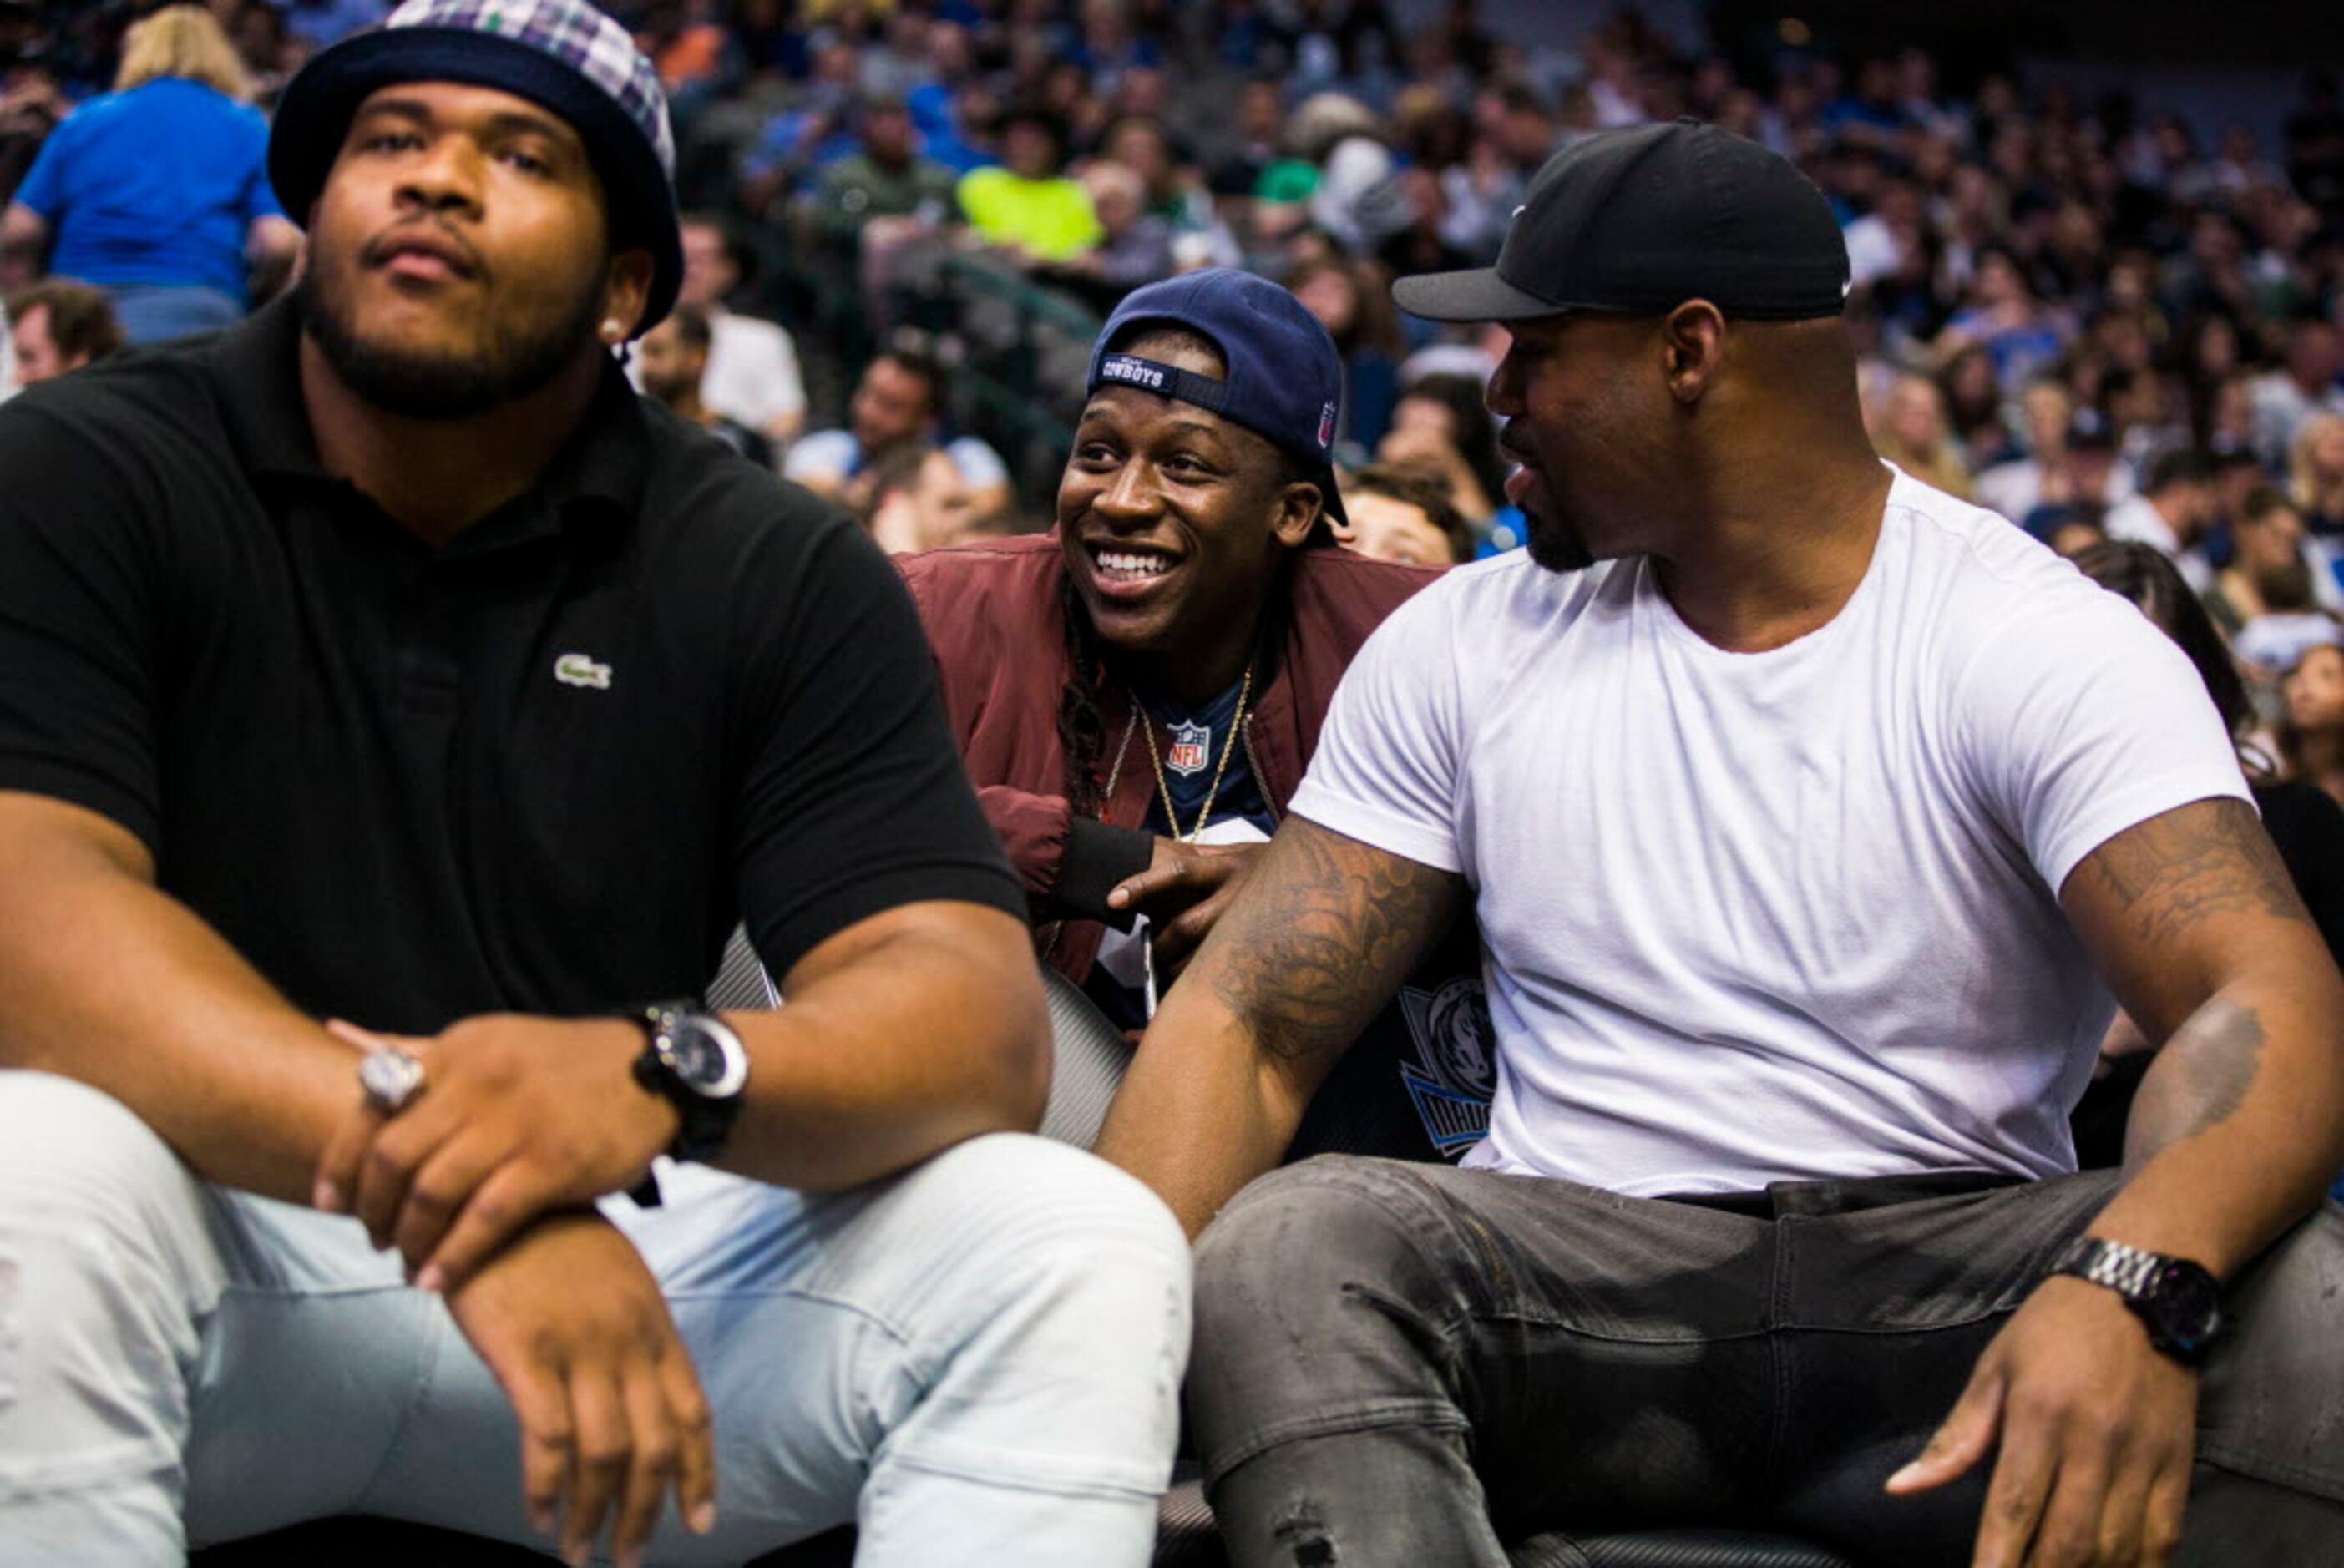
(2095, 1431)
(611, 1410)
(518, 1117)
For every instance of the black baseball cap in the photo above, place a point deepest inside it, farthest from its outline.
(1285, 380)
(1638, 221)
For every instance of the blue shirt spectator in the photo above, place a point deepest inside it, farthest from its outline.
(158, 191)
(157, 185)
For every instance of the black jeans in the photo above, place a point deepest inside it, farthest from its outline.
(1410, 1365)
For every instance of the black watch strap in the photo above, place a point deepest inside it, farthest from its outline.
(703, 1120)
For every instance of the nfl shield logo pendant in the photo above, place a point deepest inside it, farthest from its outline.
(1190, 745)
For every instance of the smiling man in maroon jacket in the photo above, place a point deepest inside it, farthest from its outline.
(1138, 692)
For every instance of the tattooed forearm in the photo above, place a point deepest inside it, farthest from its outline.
(2198, 1081)
(1323, 934)
(2211, 857)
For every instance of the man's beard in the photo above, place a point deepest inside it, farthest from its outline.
(1555, 545)
(669, 390)
(439, 387)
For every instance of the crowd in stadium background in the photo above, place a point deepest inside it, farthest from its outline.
(2085, 311)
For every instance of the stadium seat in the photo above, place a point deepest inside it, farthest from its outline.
(1091, 1056)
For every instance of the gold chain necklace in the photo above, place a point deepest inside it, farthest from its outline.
(1237, 725)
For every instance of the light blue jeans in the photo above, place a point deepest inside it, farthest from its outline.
(158, 312)
(977, 1361)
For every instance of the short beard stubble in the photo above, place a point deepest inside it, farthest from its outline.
(437, 386)
(1556, 547)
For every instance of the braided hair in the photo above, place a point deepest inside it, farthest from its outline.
(1082, 730)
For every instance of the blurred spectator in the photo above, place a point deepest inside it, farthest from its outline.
(156, 192)
(2237, 476)
(265, 50)
(1425, 245)
(2315, 475)
(1251, 144)
(1353, 301)
(1910, 431)
(2172, 514)
(1441, 430)
(1889, 238)
(2142, 413)
(1109, 45)
(1354, 190)
(2225, 421)
(2304, 384)
(1028, 206)
(2267, 599)
(31, 102)
(1401, 515)
(751, 377)
(1972, 401)
(1135, 245)
(56, 326)
(2311, 731)
(885, 177)
(919, 501)
(1172, 189)
(2069, 461)
(896, 406)
(2005, 318)
(672, 360)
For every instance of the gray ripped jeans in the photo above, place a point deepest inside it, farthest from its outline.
(1413, 1365)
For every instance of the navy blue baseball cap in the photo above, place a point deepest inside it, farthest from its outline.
(1283, 380)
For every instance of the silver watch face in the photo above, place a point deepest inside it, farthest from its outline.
(708, 1057)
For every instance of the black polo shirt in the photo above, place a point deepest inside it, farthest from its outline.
(544, 768)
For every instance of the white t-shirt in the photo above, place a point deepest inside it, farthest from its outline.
(1750, 917)
(753, 370)
(751, 377)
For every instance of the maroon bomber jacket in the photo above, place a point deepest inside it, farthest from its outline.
(992, 613)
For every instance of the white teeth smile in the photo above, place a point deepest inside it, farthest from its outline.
(1130, 566)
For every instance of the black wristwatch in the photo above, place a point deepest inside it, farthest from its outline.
(695, 1060)
(2178, 1300)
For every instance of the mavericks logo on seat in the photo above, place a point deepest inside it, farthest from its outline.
(1456, 1070)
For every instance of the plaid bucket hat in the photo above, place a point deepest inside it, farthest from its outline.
(561, 54)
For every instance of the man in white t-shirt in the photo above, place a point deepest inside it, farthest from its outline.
(752, 376)
(2173, 513)
(1809, 818)
(897, 405)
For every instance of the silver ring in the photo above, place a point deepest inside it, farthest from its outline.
(390, 1079)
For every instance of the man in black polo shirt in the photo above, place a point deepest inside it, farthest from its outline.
(384, 659)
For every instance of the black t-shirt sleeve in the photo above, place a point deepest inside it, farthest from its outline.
(853, 799)
(80, 632)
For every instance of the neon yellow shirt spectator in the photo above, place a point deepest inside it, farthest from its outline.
(1051, 217)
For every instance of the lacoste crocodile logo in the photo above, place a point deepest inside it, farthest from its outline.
(579, 670)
